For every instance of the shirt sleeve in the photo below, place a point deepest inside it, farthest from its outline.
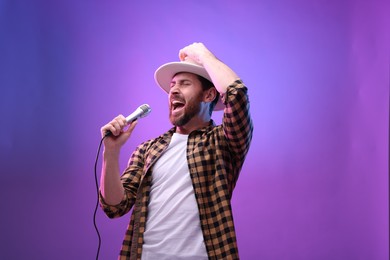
(130, 179)
(237, 122)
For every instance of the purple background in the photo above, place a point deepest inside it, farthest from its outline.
(315, 182)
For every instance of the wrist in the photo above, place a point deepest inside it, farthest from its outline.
(111, 153)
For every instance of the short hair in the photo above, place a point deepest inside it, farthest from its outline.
(207, 84)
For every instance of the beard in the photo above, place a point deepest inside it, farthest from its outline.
(190, 110)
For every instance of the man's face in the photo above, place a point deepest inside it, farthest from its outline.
(185, 97)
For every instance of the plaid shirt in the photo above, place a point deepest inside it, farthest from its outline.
(215, 155)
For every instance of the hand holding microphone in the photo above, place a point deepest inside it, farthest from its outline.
(115, 127)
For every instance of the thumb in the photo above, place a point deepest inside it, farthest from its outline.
(131, 127)
(126, 133)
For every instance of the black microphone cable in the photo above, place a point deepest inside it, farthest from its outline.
(97, 199)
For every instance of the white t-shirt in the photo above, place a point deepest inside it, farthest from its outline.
(173, 226)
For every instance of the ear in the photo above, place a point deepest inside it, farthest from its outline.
(210, 95)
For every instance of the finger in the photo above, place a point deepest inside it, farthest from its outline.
(182, 55)
(131, 126)
(104, 130)
(119, 124)
(108, 128)
(121, 120)
(115, 126)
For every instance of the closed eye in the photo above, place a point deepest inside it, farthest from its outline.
(181, 83)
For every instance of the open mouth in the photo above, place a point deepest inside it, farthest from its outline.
(177, 105)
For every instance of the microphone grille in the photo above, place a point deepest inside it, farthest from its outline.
(146, 109)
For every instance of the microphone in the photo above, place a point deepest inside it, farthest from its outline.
(140, 112)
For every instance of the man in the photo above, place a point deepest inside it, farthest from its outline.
(181, 183)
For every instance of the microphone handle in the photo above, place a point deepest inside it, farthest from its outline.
(133, 116)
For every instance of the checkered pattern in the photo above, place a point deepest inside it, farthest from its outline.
(215, 155)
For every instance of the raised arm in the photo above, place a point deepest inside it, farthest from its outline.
(237, 123)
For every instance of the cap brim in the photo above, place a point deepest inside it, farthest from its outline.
(165, 73)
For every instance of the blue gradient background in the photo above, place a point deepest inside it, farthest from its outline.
(315, 182)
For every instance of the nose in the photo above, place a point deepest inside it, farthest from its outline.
(174, 89)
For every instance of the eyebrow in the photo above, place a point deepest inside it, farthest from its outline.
(181, 81)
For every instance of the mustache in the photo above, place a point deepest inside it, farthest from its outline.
(176, 97)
